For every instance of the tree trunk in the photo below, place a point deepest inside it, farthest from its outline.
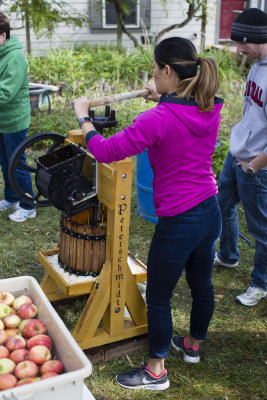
(193, 7)
(119, 31)
(203, 26)
(28, 33)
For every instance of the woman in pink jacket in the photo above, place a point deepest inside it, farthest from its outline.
(180, 135)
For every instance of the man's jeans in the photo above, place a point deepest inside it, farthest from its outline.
(8, 143)
(235, 185)
(184, 242)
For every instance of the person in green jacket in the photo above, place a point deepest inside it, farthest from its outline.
(15, 116)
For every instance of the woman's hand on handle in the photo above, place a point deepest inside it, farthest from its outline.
(81, 107)
(153, 95)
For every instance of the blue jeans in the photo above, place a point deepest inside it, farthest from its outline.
(186, 241)
(8, 143)
(234, 186)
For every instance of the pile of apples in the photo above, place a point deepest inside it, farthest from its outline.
(25, 347)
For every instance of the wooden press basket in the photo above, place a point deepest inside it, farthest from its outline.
(82, 247)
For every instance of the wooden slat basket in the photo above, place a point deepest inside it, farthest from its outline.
(82, 247)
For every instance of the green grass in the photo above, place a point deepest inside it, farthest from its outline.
(234, 355)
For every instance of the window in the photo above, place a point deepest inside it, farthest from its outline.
(103, 15)
(109, 17)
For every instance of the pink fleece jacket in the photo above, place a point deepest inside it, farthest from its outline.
(180, 141)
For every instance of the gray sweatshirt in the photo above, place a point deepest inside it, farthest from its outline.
(249, 137)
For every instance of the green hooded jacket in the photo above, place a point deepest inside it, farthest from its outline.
(15, 109)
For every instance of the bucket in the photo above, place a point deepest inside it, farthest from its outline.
(144, 178)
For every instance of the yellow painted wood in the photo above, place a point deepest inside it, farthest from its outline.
(134, 300)
(76, 136)
(48, 284)
(118, 221)
(75, 289)
(102, 337)
(50, 270)
(116, 286)
(95, 306)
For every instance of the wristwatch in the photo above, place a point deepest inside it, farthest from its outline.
(250, 170)
(83, 119)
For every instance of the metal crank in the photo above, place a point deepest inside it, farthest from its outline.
(16, 162)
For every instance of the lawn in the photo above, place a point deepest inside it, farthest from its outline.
(234, 355)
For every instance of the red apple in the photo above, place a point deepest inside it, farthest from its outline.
(26, 369)
(48, 375)
(3, 336)
(22, 324)
(33, 327)
(19, 355)
(11, 331)
(15, 342)
(6, 366)
(27, 311)
(23, 299)
(7, 381)
(39, 339)
(25, 381)
(55, 366)
(4, 352)
(12, 321)
(39, 354)
(6, 298)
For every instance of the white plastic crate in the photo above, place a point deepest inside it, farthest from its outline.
(68, 385)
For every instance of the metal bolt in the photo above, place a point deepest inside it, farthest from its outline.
(108, 177)
(97, 285)
(123, 197)
(107, 198)
(124, 176)
(117, 310)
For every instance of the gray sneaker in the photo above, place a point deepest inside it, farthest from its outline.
(218, 262)
(252, 296)
(4, 205)
(191, 354)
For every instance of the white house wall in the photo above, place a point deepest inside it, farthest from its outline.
(66, 36)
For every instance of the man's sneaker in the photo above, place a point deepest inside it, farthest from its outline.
(221, 263)
(21, 214)
(4, 205)
(191, 354)
(252, 296)
(143, 378)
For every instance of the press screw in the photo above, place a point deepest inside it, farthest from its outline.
(124, 176)
(123, 197)
(117, 310)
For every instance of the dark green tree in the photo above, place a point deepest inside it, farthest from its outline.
(44, 16)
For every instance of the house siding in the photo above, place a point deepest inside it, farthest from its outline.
(66, 36)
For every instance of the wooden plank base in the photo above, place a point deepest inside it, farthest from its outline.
(116, 350)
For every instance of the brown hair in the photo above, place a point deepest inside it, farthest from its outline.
(198, 77)
(4, 25)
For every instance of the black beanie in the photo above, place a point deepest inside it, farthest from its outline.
(250, 27)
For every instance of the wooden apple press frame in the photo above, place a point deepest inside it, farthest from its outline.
(103, 318)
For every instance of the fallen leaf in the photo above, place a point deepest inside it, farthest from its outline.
(219, 296)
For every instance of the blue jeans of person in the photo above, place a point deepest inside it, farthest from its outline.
(8, 143)
(234, 186)
(184, 242)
